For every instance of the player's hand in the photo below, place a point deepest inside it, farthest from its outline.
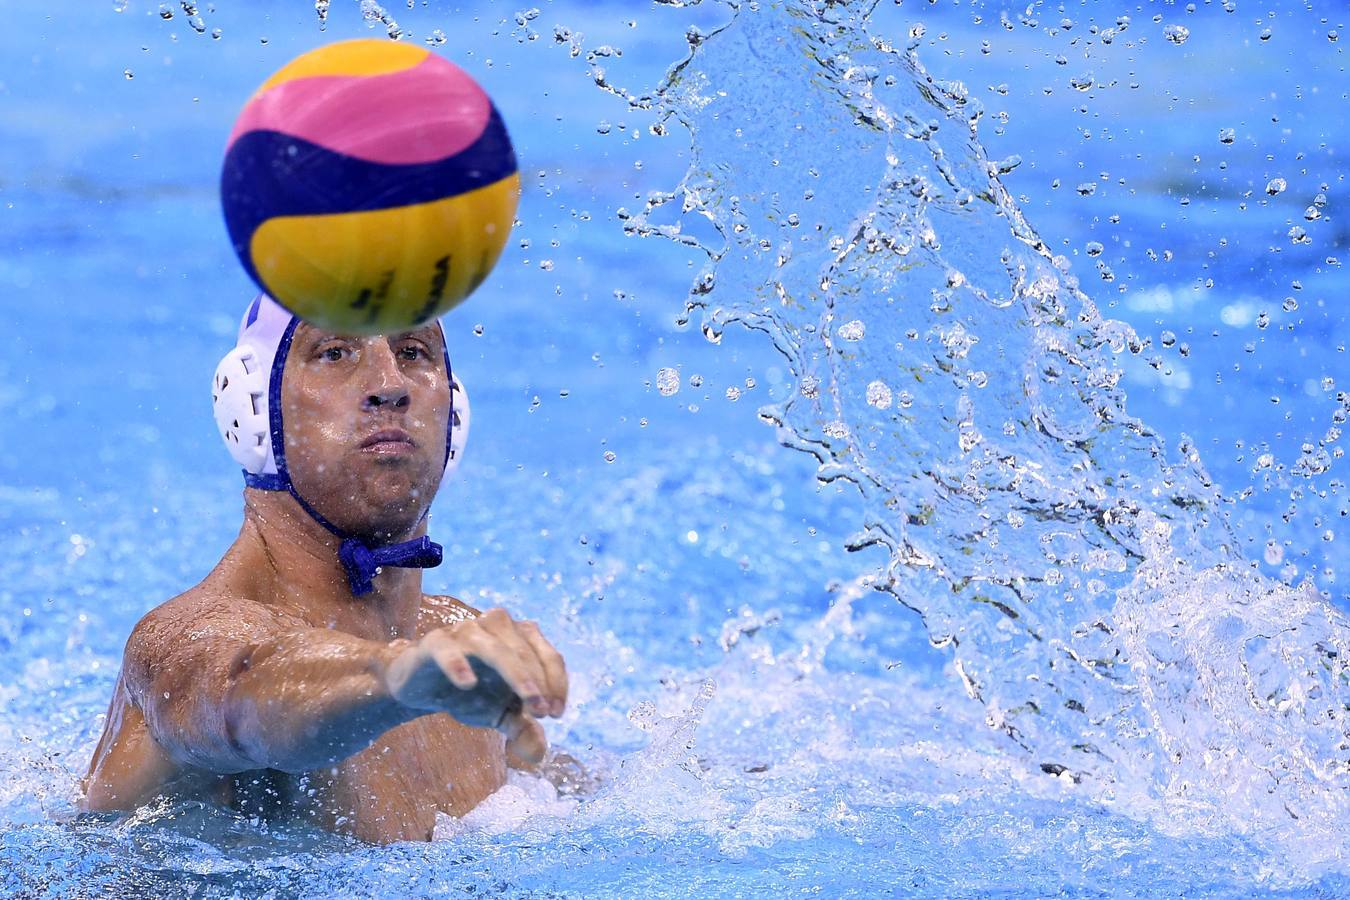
(492, 672)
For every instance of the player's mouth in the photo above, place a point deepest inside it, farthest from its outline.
(389, 441)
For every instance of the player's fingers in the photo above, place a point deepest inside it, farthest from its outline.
(555, 669)
(524, 737)
(514, 660)
(452, 661)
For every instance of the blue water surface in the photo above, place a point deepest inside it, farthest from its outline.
(759, 720)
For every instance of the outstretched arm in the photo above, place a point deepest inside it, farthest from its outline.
(249, 689)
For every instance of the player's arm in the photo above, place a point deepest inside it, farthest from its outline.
(241, 689)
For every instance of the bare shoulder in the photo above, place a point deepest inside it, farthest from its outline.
(206, 620)
(440, 610)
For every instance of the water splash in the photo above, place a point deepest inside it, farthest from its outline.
(1079, 570)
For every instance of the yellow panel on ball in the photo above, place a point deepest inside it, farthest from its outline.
(361, 57)
(385, 269)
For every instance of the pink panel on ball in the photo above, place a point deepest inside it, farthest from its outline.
(417, 115)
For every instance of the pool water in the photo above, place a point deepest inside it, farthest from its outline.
(800, 424)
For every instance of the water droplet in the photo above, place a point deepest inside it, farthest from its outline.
(696, 381)
(478, 330)
(610, 456)
(733, 393)
(1289, 304)
(1275, 186)
(852, 331)
(1087, 188)
(667, 381)
(1094, 248)
(128, 74)
(1177, 34)
(436, 38)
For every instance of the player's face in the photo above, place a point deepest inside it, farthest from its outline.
(365, 424)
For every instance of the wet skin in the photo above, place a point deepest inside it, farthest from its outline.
(270, 688)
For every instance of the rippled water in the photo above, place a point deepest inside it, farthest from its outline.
(1106, 687)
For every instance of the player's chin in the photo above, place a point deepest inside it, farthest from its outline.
(399, 482)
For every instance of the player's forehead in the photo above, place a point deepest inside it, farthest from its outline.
(308, 332)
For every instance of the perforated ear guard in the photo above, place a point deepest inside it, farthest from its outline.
(239, 399)
(459, 426)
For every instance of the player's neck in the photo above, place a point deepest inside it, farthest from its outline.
(301, 559)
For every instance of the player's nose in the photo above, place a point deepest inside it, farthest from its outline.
(386, 383)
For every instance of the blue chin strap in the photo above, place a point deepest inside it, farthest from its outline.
(361, 562)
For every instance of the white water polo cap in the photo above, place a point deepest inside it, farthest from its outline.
(246, 397)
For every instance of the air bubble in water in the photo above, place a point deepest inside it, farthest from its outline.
(879, 395)
(1227, 135)
(852, 331)
(610, 456)
(667, 381)
(1275, 186)
(1094, 248)
(436, 38)
(1177, 34)
(128, 74)
(733, 393)
(696, 381)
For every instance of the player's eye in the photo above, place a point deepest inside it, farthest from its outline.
(412, 351)
(333, 353)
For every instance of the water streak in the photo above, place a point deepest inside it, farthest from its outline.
(1080, 571)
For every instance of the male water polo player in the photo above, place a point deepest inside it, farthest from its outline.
(307, 677)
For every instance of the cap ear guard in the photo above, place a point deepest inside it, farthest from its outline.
(239, 400)
(459, 427)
